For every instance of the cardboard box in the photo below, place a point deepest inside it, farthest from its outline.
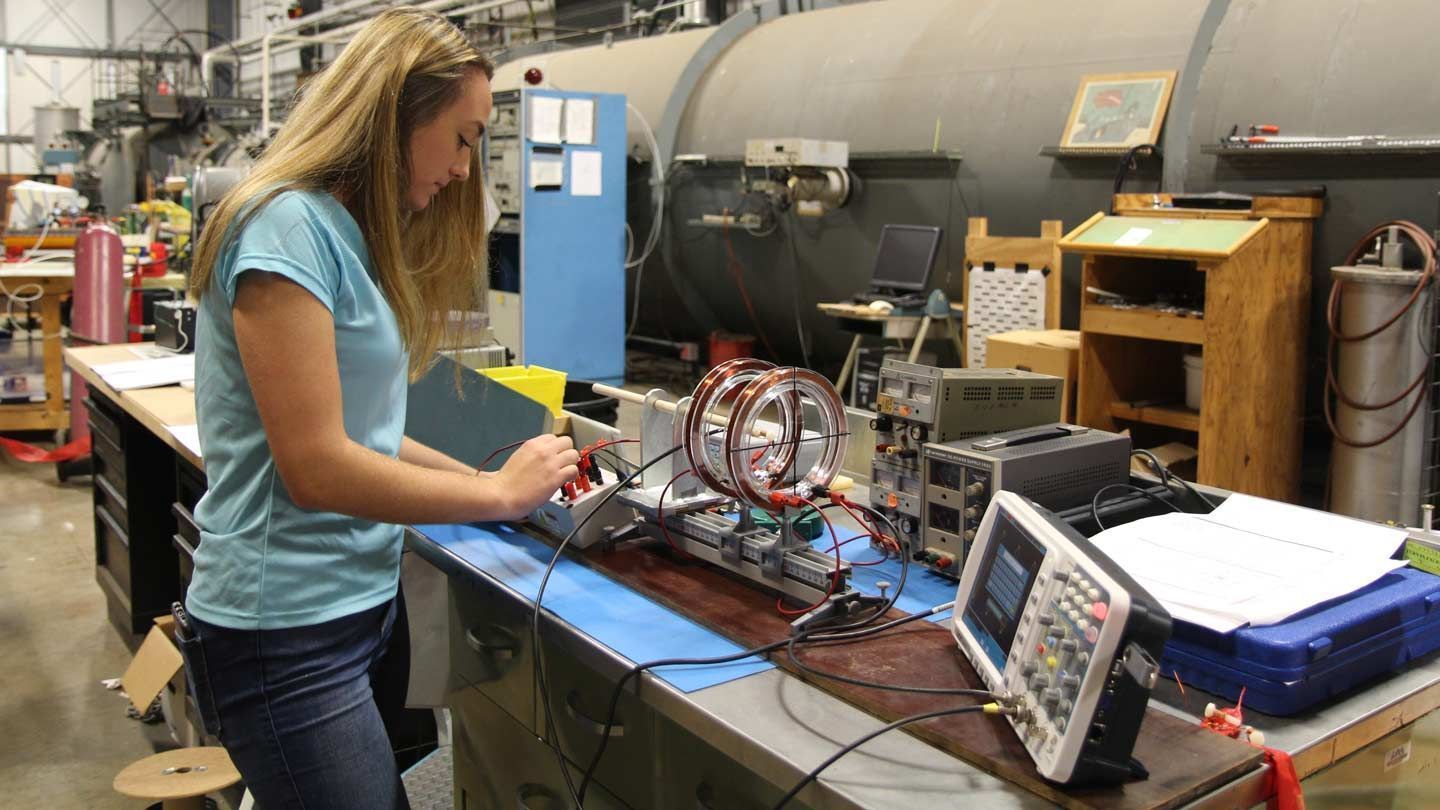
(158, 671)
(1045, 351)
(1180, 459)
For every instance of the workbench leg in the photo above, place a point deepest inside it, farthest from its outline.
(54, 365)
(849, 364)
(919, 339)
(959, 341)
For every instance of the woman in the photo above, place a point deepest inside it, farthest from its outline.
(324, 280)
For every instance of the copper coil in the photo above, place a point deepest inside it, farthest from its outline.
(783, 387)
(720, 381)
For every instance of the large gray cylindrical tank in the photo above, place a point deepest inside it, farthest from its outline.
(893, 77)
(1384, 482)
(997, 79)
(644, 70)
(879, 75)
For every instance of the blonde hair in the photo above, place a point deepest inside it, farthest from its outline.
(347, 134)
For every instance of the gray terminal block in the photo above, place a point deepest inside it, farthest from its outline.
(1056, 465)
(916, 405)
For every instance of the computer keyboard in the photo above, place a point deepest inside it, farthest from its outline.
(893, 300)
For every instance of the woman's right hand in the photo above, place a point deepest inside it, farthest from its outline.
(534, 472)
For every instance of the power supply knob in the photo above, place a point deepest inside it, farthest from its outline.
(972, 512)
(907, 525)
(918, 433)
(977, 488)
(882, 424)
(969, 534)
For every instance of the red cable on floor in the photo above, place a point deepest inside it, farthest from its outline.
(29, 453)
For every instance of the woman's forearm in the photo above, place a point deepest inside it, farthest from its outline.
(414, 452)
(355, 480)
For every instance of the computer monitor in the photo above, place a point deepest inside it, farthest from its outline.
(905, 257)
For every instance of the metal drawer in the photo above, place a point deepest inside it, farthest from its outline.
(110, 461)
(579, 697)
(104, 422)
(113, 500)
(185, 540)
(112, 547)
(693, 773)
(490, 649)
(501, 764)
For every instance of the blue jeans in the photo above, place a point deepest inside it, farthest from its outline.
(299, 709)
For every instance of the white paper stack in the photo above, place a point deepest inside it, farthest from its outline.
(131, 374)
(1252, 561)
(189, 435)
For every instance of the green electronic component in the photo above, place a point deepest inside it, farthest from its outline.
(810, 526)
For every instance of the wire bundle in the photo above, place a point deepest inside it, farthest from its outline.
(848, 632)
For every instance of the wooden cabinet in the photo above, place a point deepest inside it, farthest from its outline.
(1233, 285)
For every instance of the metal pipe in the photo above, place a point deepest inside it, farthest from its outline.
(338, 36)
(72, 52)
(330, 13)
(265, 70)
(5, 100)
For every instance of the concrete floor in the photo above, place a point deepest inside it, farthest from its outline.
(63, 736)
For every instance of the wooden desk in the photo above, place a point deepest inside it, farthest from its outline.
(862, 320)
(156, 408)
(54, 283)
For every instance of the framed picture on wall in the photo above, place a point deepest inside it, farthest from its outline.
(1118, 110)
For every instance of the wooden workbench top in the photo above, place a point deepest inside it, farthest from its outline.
(158, 409)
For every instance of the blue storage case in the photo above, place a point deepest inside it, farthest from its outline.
(1288, 667)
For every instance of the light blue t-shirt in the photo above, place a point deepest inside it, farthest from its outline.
(263, 562)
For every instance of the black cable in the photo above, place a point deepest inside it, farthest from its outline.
(792, 653)
(834, 633)
(795, 299)
(1127, 165)
(619, 689)
(542, 687)
(1095, 501)
(1165, 477)
(540, 682)
(617, 462)
(833, 758)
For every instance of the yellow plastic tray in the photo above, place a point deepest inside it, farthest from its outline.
(543, 385)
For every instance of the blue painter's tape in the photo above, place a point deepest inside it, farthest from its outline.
(607, 611)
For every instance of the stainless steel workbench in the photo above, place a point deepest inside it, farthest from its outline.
(758, 735)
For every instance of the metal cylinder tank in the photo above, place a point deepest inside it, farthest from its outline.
(98, 314)
(1387, 481)
(99, 311)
